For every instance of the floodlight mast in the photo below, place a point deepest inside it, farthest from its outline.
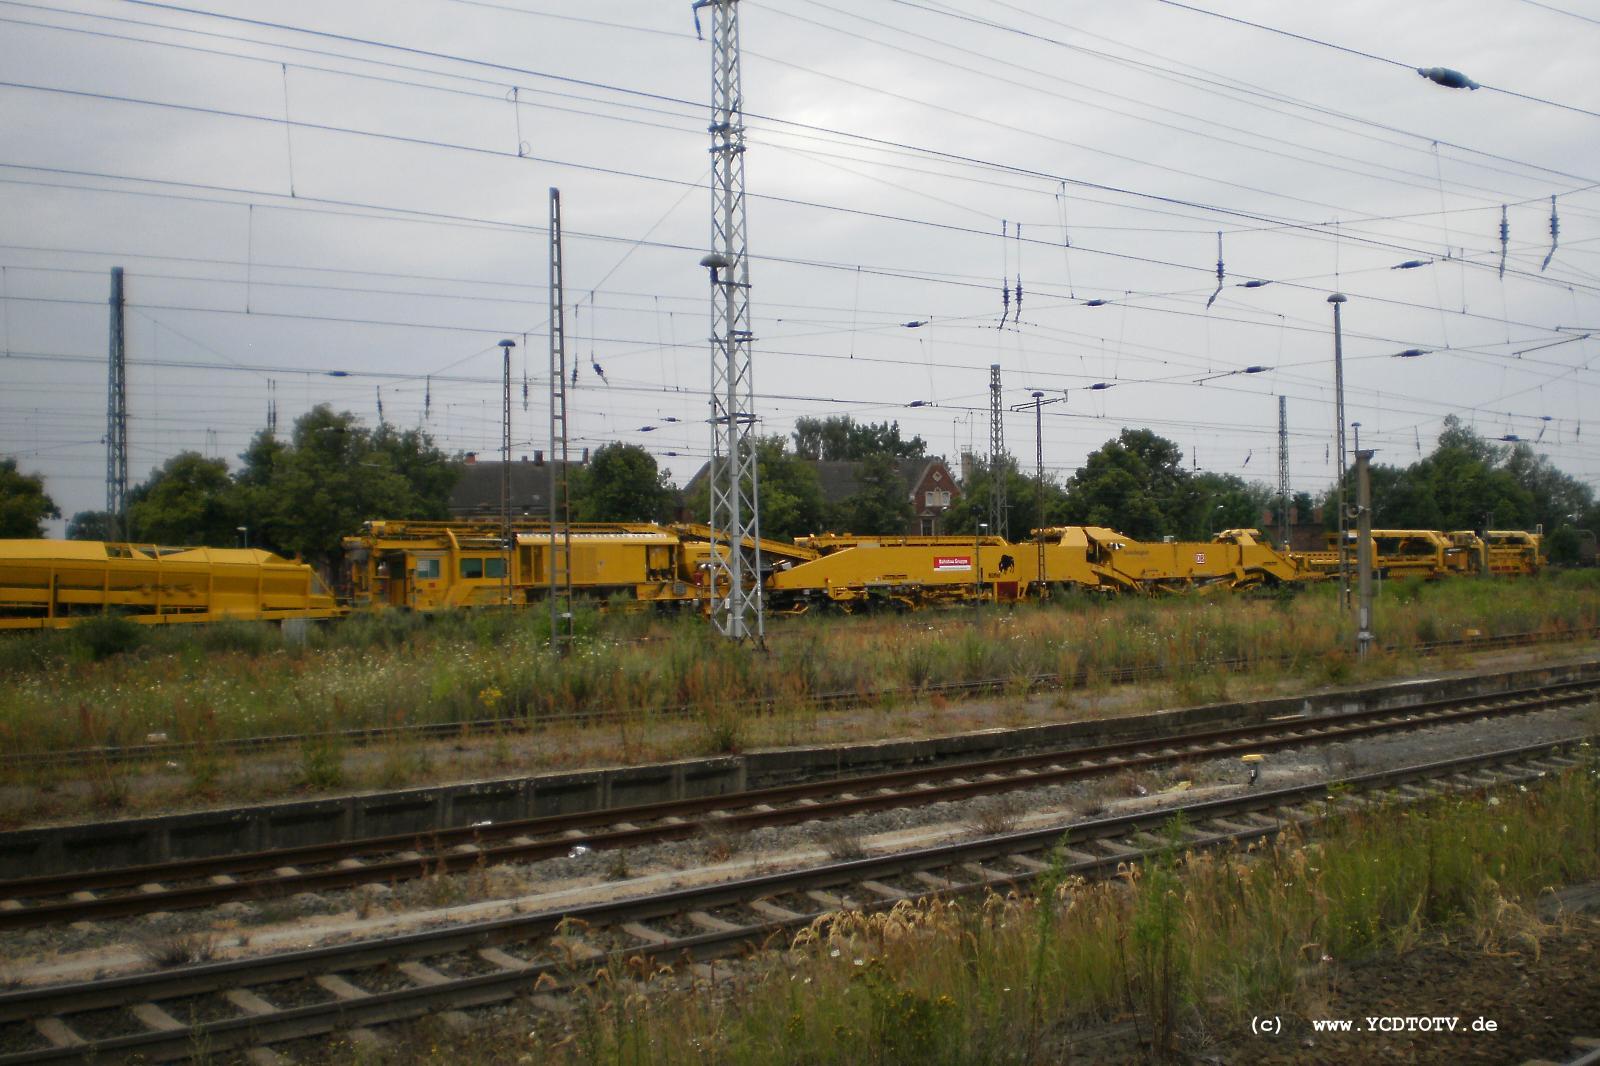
(735, 572)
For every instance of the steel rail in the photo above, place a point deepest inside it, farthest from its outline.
(488, 727)
(1276, 808)
(852, 795)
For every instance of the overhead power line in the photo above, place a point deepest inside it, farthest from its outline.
(1318, 42)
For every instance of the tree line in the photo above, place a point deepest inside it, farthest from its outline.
(301, 495)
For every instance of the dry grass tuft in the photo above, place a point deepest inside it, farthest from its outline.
(173, 949)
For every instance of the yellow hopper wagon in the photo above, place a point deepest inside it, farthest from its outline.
(54, 584)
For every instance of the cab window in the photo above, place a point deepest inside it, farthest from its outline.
(472, 568)
(427, 569)
(494, 567)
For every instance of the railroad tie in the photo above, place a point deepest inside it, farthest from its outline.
(644, 932)
(1079, 855)
(1028, 863)
(579, 950)
(827, 899)
(152, 888)
(223, 879)
(422, 974)
(496, 957)
(711, 922)
(339, 988)
(263, 1056)
(56, 1031)
(1230, 826)
(982, 873)
(934, 881)
(1115, 847)
(11, 905)
(155, 1018)
(768, 909)
(249, 1002)
(878, 888)
(351, 864)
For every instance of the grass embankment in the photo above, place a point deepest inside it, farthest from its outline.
(84, 688)
(1189, 948)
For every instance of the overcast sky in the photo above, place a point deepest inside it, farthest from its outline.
(361, 187)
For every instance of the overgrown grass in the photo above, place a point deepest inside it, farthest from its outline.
(1189, 946)
(234, 681)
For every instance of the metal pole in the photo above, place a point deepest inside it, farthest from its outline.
(1038, 462)
(505, 474)
(1285, 532)
(999, 512)
(1364, 636)
(733, 470)
(1037, 404)
(117, 417)
(977, 556)
(1338, 389)
(560, 575)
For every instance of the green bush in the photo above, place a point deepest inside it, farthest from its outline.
(107, 635)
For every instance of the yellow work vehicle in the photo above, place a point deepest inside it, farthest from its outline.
(852, 572)
(432, 566)
(1514, 552)
(1100, 558)
(54, 584)
(1425, 553)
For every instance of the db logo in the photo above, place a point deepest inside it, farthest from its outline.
(1200, 558)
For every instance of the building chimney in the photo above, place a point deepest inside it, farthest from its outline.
(472, 457)
(538, 457)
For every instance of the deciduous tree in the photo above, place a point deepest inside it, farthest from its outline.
(24, 505)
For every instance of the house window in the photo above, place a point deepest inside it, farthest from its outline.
(937, 498)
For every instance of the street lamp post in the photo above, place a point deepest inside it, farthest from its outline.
(1336, 300)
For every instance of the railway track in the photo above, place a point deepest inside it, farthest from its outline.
(168, 750)
(191, 883)
(257, 1002)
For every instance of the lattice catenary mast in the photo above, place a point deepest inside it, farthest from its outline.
(998, 511)
(735, 516)
(560, 502)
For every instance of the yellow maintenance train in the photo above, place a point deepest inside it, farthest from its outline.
(441, 566)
